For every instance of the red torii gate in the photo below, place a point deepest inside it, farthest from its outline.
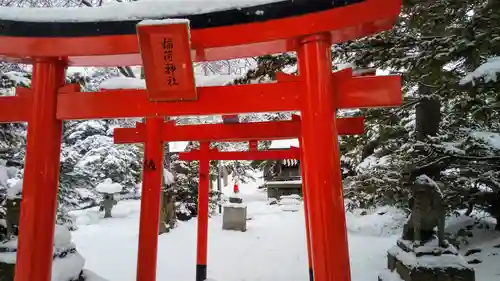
(155, 132)
(204, 154)
(316, 93)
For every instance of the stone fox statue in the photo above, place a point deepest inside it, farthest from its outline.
(427, 212)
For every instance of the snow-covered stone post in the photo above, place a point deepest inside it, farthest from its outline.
(167, 206)
(109, 189)
(225, 176)
(13, 206)
(13, 187)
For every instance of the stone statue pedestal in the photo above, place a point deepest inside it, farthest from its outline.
(13, 211)
(234, 216)
(428, 262)
(7, 271)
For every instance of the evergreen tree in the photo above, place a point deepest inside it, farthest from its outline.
(433, 45)
(13, 135)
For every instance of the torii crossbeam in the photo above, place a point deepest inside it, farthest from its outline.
(358, 92)
(231, 132)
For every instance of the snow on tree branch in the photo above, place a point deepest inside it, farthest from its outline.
(488, 70)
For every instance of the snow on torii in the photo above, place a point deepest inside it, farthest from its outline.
(127, 11)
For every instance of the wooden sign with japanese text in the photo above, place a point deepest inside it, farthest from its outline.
(166, 55)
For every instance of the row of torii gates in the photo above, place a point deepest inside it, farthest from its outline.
(166, 50)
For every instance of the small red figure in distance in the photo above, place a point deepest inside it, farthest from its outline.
(235, 188)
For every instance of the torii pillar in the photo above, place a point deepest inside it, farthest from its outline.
(38, 107)
(150, 200)
(330, 253)
(203, 210)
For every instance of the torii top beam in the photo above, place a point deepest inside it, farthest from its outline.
(106, 36)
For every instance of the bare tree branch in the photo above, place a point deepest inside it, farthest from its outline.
(452, 157)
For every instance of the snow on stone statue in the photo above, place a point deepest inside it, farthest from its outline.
(418, 255)
(108, 188)
(427, 212)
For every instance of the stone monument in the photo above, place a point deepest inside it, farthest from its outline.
(234, 216)
(420, 255)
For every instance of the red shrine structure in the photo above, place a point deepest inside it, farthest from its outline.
(233, 131)
(167, 51)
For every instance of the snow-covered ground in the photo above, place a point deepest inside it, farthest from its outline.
(273, 248)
